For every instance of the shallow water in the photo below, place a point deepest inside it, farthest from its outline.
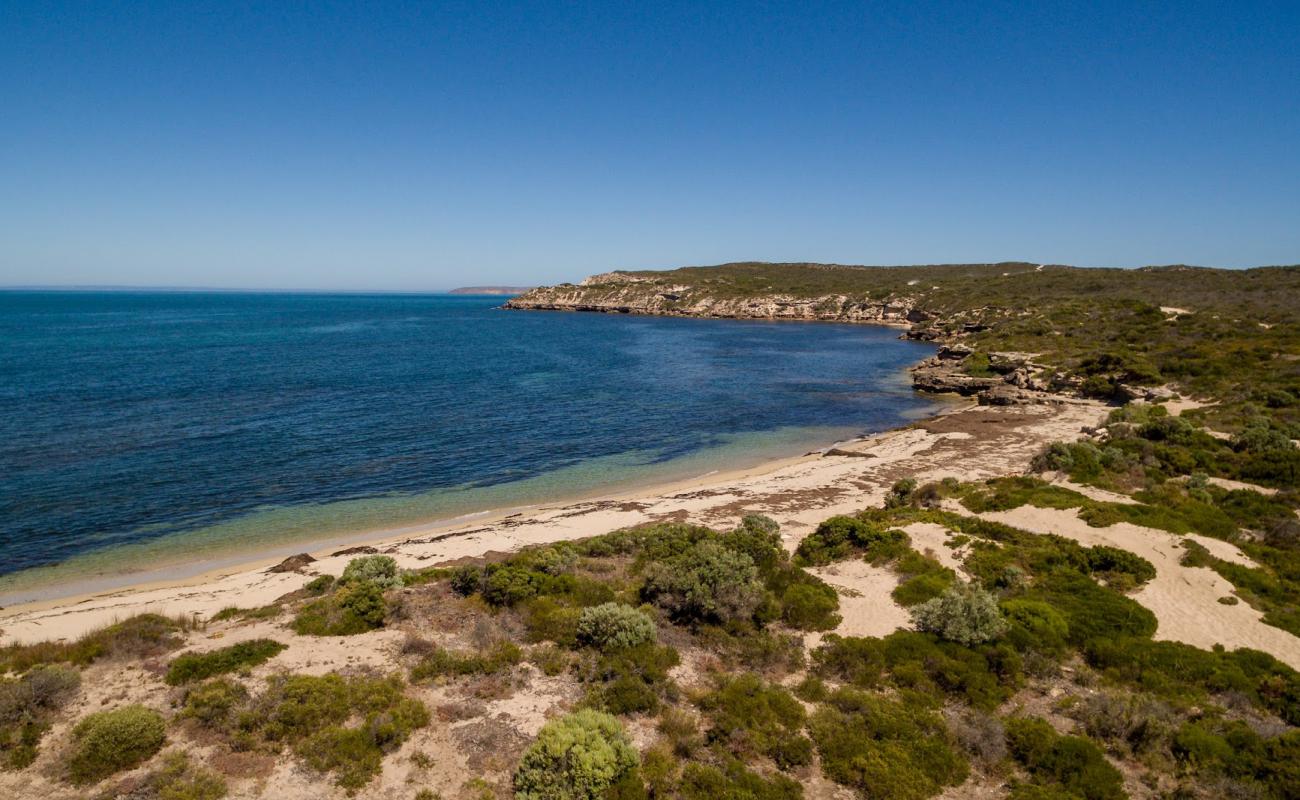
(137, 428)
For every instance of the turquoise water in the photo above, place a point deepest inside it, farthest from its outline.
(141, 429)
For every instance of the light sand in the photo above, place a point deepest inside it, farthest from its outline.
(1185, 600)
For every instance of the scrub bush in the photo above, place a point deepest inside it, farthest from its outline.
(497, 658)
(190, 667)
(885, 748)
(357, 607)
(111, 741)
(576, 757)
(1071, 763)
(965, 614)
(26, 705)
(379, 570)
(612, 626)
(752, 718)
(707, 583)
(839, 538)
(141, 636)
(180, 779)
(810, 606)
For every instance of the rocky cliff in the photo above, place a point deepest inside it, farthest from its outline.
(622, 293)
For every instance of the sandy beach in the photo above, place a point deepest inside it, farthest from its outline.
(967, 442)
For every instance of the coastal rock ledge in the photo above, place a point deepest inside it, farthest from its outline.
(621, 293)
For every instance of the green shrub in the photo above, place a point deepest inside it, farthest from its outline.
(965, 614)
(319, 585)
(499, 657)
(1071, 762)
(612, 626)
(1035, 626)
(356, 607)
(810, 606)
(334, 724)
(708, 582)
(214, 703)
(632, 678)
(1091, 611)
(576, 757)
(758, 537)
(141, 636)
(111, 741)
(923, 588)
(346, 752)
(733, 782)
(26, 705)
(852, 659)
(885, 748)
(900, 494)
(839, 538)
(180, 779)
(752, 718)
(379, 570)
(198, 666)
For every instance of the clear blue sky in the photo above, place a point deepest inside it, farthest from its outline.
(395, 146)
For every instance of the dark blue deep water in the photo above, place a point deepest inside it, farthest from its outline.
(131, 416)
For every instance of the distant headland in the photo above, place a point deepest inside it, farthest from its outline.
(501, 290)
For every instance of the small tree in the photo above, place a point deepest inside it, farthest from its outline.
(379, 570)
(577, 757)
(965, 614)
(612, 626)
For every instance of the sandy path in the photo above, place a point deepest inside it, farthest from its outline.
(970, 443)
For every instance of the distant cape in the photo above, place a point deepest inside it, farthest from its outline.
(491, 290)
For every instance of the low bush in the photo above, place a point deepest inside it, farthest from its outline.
(751, 718)
(612, 626)
(497, 658)
(630, 680)
(339, 725)
(356, 607)
(810, 606)
(885, 748)
(576, 757)
(178, 778)
(965, 613)
(706, 583)
(1071, 763)
(141, 636)
(839, 538)
(379, 570)
(190, 667)
(983, 676)
(26, 705)
(111, 741)
(213, 704)
(732, 781)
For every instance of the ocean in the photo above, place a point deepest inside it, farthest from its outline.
(145, 428)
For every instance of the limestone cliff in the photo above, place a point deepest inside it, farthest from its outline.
(623, 293)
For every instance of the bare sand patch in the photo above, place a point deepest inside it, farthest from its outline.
(1185, 600)
(865, 602)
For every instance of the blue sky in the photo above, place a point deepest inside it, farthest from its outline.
(424, 146)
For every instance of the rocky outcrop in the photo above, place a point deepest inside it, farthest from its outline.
(619, 293)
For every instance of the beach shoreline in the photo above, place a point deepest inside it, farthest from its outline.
(798, 491)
